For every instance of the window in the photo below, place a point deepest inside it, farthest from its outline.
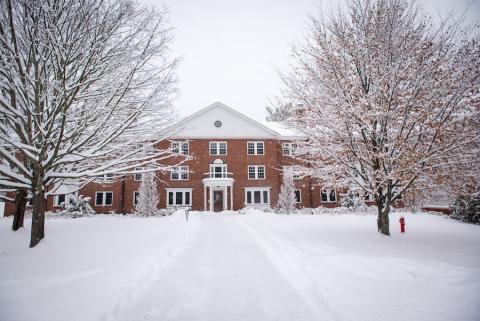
(180, 148)
(179, 197)
(179, 173)
(295, 171)
(103, 198)
(218, 148)
(218, 171)
(256, 172)
(368, 197)
(135, 198)
(328, 195)
(137, 176)
(255, 148)
(257, 196)
(288, 149)
(107, 178)
(58, 200)
(298, 196)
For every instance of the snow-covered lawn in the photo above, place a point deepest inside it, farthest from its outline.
(241, 267)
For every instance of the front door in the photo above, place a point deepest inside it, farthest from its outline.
(217, 201)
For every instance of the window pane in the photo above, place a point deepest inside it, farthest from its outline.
(108, 198)
(223, 148)
(297, 196)
(213, 148)
(135, 198)
(251, 148)
(170, 198)
(178, 198)
(260, 148)
(286, 149)
(185, 148)
(61, 199)
(333, 196)
(323, 193)
(256, 197)
(99, 199)
(175, 148)
(249, 197)
(175, 174)
(265, 197)
(251, 171)
(187, 198)
(261, 172)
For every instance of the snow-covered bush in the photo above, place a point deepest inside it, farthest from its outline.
(76, 207)
(147, 195)
(286, 199)
(352, 200)
(467, 208)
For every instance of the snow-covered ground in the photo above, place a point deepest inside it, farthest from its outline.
(241, 267)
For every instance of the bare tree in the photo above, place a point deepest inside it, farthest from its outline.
(86, 86)
(387, 98)
(286, 198)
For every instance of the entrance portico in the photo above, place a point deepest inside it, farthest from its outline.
(218, 188)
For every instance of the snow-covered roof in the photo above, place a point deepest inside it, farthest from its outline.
(284, 132)
(223, 122)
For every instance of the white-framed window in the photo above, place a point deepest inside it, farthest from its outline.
(257, 196)
(137, 176)
(255, 148)
(328, 195)
(103, 198)
(179, 173)
(298, 196)
(58, 200)
(289, 149)
(180, 148)
(179, 197)
(218, 170)
(135, 197)
(295, 171)
(256, 171)
(107, 178)
(218, 148)
(368, 197)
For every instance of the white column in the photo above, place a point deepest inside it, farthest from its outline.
(204, 197)
(225, 195)
(231, 197)
(211, 199)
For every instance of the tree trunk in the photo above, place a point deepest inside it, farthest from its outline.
(38, 214)
(20, 204)
(382, 220)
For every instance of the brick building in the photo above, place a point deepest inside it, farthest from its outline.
(234, 162)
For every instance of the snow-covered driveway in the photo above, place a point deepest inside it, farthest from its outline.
(241, 267)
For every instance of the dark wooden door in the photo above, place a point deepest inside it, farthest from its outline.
(217, 201)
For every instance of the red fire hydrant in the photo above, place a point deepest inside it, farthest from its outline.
(402, 224)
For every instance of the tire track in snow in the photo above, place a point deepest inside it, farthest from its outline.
(292, 264)
(147, 276)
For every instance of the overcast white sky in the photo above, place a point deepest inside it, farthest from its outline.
(232, 48)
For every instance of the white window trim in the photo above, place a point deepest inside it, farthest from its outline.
(300, 193)
(56, 199)
(295, 170)
(105, 179)
(133, 201)
(328, 195)
(103, 198)
(256, 147)
(218, 148)
(224, 171)
(135, 175)
(183, 190)
(179, 171)
(260, 189)
(289, 147)
(180, 147)
(256, 172)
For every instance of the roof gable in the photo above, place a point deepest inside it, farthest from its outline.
(233, 125)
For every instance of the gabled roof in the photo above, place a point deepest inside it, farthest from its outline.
(234, 125)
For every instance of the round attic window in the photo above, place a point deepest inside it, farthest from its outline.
(218, 124)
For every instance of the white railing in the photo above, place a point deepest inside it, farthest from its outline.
(218, 175)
